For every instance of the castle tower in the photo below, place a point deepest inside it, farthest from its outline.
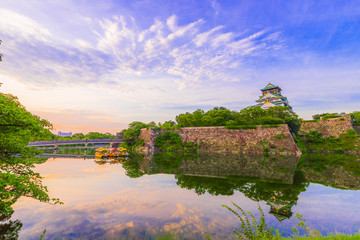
(271, 97)
(280, 209)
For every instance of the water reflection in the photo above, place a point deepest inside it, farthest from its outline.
(335, 170)
(143, 195)
(17, 180)
(270, 179)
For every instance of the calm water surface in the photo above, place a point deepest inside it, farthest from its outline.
(142, 196)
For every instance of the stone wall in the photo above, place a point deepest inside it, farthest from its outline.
(357, 129)
(280, 169)
(336, 177)
(330, 127)
(220, 140)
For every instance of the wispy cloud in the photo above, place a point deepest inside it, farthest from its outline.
(188, 54)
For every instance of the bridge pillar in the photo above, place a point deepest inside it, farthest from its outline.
(55, 148)
(85, 148)
(110, 145)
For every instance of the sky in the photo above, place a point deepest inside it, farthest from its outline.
(90, 65)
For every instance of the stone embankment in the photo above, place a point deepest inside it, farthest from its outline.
(277, 140)
(330, 127)
(336, 177)
(217, 165)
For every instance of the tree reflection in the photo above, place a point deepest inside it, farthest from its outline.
(277, 180)
(17, 180)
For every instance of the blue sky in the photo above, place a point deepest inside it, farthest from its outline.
(99, 65)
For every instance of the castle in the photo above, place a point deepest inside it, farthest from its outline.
(271, 97)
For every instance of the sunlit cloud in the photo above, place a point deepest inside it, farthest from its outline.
(143, 60)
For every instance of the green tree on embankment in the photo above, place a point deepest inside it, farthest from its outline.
(249, 117)
(17, 128)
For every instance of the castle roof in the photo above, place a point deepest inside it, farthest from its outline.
(270, 86)
(271, 94)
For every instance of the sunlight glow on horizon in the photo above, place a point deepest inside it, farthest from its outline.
(103, 65)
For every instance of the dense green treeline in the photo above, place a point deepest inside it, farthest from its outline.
(17, 128)
(248, 118)
(355, 117)
(315, 142)
(90, 135)
(218, 116)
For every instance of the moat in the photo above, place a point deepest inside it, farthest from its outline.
(144, 196)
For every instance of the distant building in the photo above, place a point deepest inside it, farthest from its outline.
(63, 134)
(271, 97)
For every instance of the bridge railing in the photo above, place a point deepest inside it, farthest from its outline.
(61, 142)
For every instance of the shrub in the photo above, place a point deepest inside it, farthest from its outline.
(280, 136)
(355, 117)
(270, 120)
(241, 127)
(168, 139)
(314, 137)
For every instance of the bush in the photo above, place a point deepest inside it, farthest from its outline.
(270, 120)
(280, 136)
(270, 126)
(355, 117)
(314, 137)
(167, 139)
(241, 127)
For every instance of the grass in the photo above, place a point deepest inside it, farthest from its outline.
(315, 142)
(253, 229)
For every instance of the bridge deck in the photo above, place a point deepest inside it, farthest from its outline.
(69, 142)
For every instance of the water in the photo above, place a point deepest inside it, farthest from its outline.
(142, 196)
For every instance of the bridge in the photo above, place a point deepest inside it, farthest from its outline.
(76, 142)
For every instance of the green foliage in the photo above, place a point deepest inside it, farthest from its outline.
(272, 116)
(247, 117)
(355, 117)
(78, 136)
(18, 127)
(171, 141)
(217, 116)
(303, 225)
(271, 120)
(314, 120)
(132, 133)
(314, 137)
(167, 139)
(250, 227)
(90, 135)
(280, 136)
(315, 142)
(320, 162)
(241, 126)
(132, 166)
(325, 116)
(168, 125)
(97, 135)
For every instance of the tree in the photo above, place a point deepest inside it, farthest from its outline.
(18, 127)
(97, 135)
(131, 135)
(186, 120)
(355, 117)
(78, 136)
(217, 117)
(290, 118)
